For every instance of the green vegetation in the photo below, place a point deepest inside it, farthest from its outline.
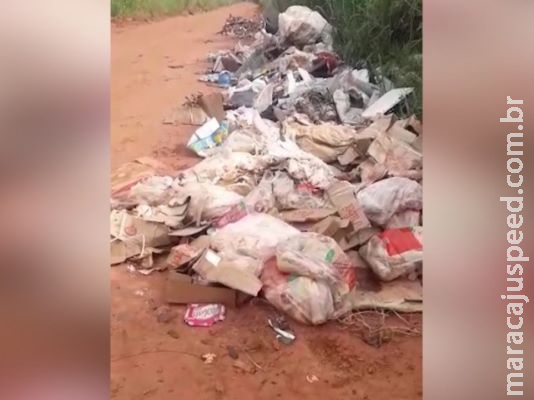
(157, 8)
(376, 34)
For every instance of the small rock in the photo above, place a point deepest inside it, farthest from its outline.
(219, 388)
(232, 352)
(371, 370)
(243, 366)
(164, 314)
(151, 303)
(209, 358)
(172, 333)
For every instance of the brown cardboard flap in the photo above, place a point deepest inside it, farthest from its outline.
(181, 289)
(342, 196)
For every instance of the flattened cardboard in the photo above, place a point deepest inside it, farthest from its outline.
(306, 214)
(342, 196)
(181, 289)
(402, 134)
(132, 236)
(212, 104)
(330, 226)
(401, 295)
(127, 175)
(211, 267)
(183, 254)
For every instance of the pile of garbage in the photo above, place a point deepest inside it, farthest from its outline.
(241, 27)
(308, 178)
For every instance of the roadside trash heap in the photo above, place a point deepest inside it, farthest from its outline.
(307, 179)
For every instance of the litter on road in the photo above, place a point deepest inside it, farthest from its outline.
(310, 181)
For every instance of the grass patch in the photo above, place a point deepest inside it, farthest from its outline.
(158, 8)
(376, 34)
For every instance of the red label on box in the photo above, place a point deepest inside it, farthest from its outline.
(398, 241)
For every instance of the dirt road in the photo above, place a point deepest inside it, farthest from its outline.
(155, 360)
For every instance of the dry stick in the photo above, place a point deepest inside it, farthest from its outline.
(151, 352)
(403, 319)
(357, 318)
(253, 362)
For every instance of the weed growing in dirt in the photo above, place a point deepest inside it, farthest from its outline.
(382, 35)
(157, 8)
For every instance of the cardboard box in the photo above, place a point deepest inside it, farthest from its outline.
(181, 289)
(211, 267)
(342, 196)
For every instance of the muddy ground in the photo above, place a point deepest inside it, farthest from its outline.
(154, 67)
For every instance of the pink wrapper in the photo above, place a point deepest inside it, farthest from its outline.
(204, 314)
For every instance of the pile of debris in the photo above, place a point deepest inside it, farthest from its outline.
(309, 193)
(241, 27)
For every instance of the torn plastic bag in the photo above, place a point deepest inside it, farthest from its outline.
(208, 201)
(260, 199)
(310, 279)
(306, 300)
(300, 165)
(247, 94)
(327, 141)
(320, 258)
(405, 219)
(290, 196)
(240, 117)
(131, 173)
(154, 190)
(244, 140)
(171, 214)
(347, 114)
(397, 156)
(251, 139)
(382, 199)
(395, 252)
(300, 26)
(371, 172)
(225, 166)
(254, 235)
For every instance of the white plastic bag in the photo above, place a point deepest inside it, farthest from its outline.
(254, 235)
(405, 219)
(309, 279)
(300, 26)
(320, 258)
(306, 300)
(395, 252)
(383, 199)
(208, 201)
(289, 196)
(225, 166)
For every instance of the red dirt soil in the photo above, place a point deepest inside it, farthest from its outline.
(156, 360)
